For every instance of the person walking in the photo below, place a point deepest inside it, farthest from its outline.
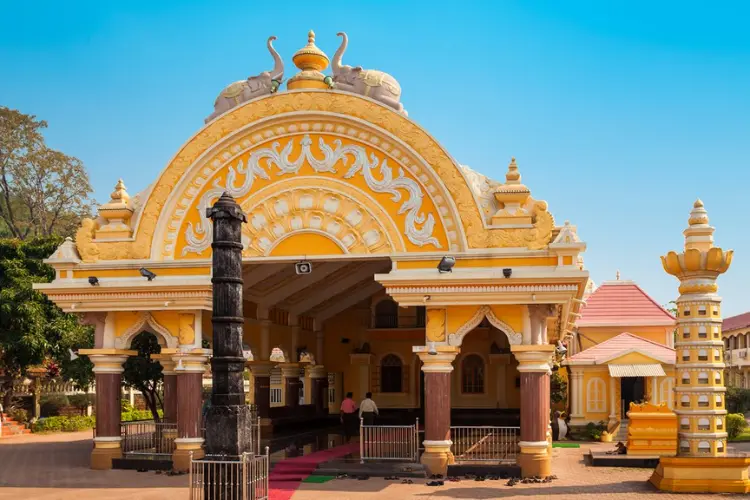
(349, 416)
(368, 410)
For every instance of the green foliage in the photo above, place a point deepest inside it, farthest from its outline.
(125, 406)
(63, 424)
(81, 401)
(51, 404)
(143, 373)
(139, 415)
(558, 388)
(738, 400)
(19, 415)
(594, 431)
(32, 329)
(736, 423)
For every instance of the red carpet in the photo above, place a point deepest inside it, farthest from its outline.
(286, 476)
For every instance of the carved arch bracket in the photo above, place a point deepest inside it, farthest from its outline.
(146, 322)
(456, 339)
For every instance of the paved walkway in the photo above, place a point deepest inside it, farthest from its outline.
(55, 467)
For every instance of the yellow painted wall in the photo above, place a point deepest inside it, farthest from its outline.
(591, 336)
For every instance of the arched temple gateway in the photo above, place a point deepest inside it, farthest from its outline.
(332, 171)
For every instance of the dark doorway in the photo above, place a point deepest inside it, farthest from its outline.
(421, 391)
(632, 389)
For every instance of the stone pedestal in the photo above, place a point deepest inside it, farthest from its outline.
(290, 378)
(108, 372)
(534, 366)
(437, 370)
(189, 368)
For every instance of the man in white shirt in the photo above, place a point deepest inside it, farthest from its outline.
(368, 410)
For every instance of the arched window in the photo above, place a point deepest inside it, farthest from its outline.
(472, 374)
(686, 332)
(720, 446)
(716, 332)
(391, 374)
(684, 424)
(704, 447)
(685, 378)
(703, 378)
(717, 355)
(703, 401)
(666, 391)
(719, 401)
(703, 424)
(719, 424)
(686, 355)
(685, 401)
(684, 446)
(702, 355)
(596, 397)
(386, 314)
(717, 377)
(702, 334)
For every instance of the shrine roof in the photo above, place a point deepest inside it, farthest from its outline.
(622, 303)
(736, 322)
(620, 345)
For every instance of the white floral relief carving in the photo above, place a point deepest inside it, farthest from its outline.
(145, 322)
(418, 226)
(456, 339)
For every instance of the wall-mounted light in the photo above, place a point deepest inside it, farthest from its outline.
(446, 264)
(432, 350)
(149, 275)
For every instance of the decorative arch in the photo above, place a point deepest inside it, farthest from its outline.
(457, 338)
(666, 391)
(146, 322)
(596, 396)
(392, 373)
(278, 355)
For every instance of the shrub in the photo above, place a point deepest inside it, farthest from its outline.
(51, 404)
(125, 406)
(594, 431)
(63, 424)
(133, 415)
(81, 401)
(736, 423)
(19, 415)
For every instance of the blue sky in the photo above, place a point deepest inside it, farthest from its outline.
(620, 114)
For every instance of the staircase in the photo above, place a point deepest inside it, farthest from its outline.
(622, 434)
(12, 428)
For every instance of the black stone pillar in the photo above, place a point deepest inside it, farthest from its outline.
(229, 419)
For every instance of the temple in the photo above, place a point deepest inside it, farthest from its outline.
(372, 262)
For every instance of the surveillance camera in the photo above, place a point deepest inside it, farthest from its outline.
(303, 267)
(147, 274)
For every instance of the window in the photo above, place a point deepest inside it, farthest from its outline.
(719, 424)
(703, 424)
(701, 310)
(703, 378)
(421, 316)
(686, 333)
(704, 447)
(719, 401)
(596, 398)
(716, 332)
(391, 374)
(386, 314)
(685, 401)
(702, 355)
(275, 395)
(684, 424)
(666, 391)
(686, 311)
(684, 446)
(717, 355)
(703, 401)
(686, 355)
(715, 310)
(720, 446)
(685, 378)
(702, 333)
(472, 374)
(717, 377)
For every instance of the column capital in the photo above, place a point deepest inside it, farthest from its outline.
(194, 361)
(290, 370)
(440, 360)
(260, 368)
(533, 358)
(316, 371)
(107, 360)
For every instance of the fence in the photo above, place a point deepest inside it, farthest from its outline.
(146, 437)
(389, 442)
(219, 478)
(485, 444)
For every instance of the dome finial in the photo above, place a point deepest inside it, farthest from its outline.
(311, 37)
(513, 176)
(617, 275)
(311, 61)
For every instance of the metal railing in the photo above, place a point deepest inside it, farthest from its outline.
(147, 437)
(389, 442)
(485, 444)
(229, 478)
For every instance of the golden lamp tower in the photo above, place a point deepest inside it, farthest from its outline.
(701, 464)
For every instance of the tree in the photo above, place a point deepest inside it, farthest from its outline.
(43, 192)
(558, 391)
(143, 373)
(33, 330)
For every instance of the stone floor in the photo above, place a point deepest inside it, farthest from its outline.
(56, 467)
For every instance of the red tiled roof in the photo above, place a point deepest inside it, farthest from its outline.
(622, 344)
(735, 322)
(622, 303)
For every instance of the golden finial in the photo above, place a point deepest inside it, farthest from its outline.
(513, 176)
(698, 215)
(120, 194)
(311, 61)
(617, 275)
(698, 203)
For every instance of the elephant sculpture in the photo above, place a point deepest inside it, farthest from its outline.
(368, 82)
(265, 83)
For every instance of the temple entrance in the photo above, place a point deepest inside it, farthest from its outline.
(632, 390)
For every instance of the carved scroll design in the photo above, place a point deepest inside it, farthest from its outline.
(418, 226)
(145, 322)
(457, 338)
